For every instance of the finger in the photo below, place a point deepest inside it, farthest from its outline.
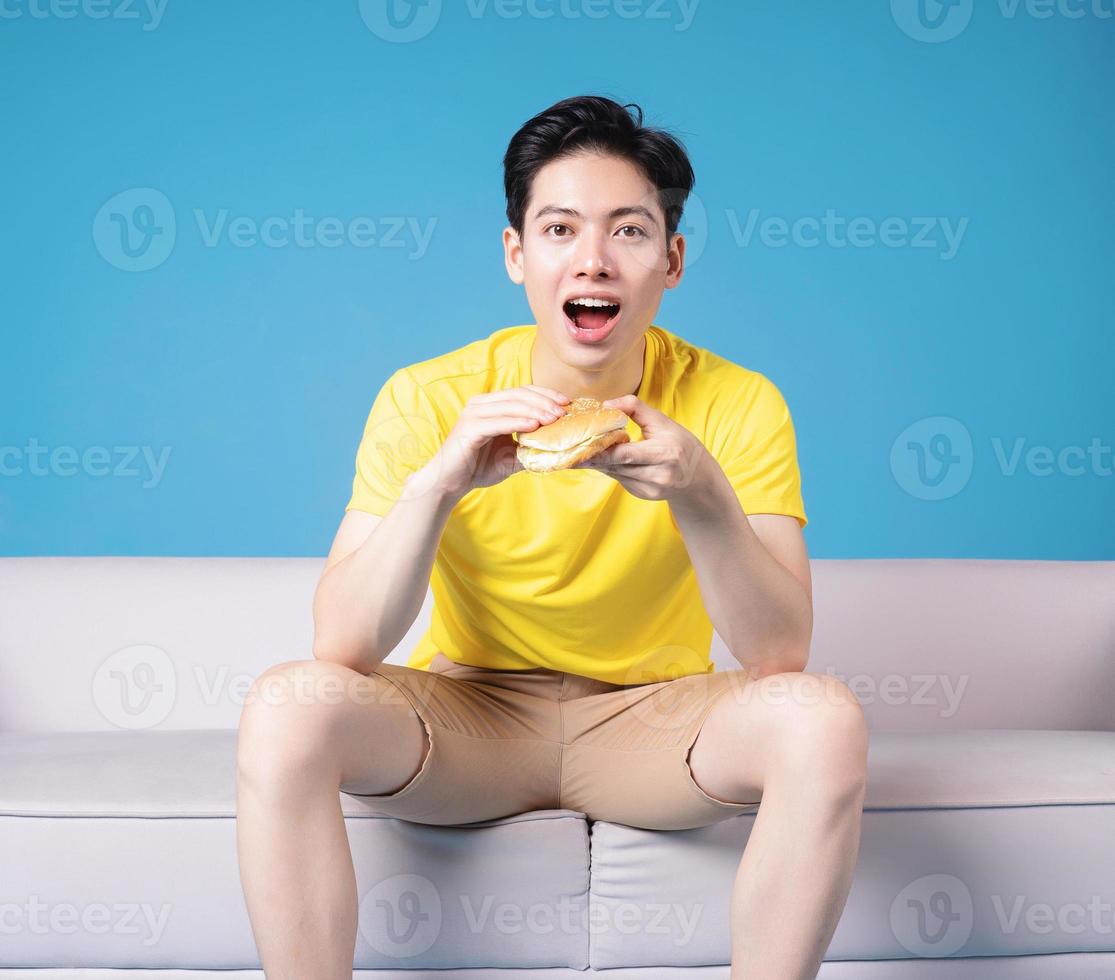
(502, 425)
(628, 454)
(645, 416)
(519, 396)
(540, 408)
(552, 392)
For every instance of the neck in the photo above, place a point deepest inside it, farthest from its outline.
(623, 377)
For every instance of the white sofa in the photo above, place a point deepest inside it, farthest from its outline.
(988, 847)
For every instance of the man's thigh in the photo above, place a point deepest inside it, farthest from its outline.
(494, 749)
(626, 753)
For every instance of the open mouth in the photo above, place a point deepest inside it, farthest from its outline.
(591, 322)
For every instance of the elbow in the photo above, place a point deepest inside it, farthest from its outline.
(360, 661)
(786, 654)
(797, 638)
(328, 654)
(795, 653)
(322, 652)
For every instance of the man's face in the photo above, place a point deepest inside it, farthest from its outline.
(593, 225)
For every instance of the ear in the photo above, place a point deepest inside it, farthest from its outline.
(675, 264)
(513, 255)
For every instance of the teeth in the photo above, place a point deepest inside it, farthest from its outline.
(588, 301)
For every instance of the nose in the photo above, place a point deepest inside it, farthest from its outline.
(592, 256)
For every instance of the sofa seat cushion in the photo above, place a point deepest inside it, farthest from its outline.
(118, 849)
(990, 827)
(974, 843)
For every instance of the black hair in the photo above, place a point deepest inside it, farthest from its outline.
(594, 123)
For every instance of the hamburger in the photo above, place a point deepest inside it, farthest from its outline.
(585, 430)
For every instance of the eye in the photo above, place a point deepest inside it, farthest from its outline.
(641, 233)
(552, 227)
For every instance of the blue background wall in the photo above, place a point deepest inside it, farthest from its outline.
(249, 369)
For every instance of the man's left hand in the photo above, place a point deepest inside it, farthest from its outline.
(668, 463)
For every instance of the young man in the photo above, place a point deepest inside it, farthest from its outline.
(584, 598)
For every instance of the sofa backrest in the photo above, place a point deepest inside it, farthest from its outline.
(136, 643)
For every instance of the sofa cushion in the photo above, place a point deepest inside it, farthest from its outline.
(138, 828)
(1000, 841)
(119, 849)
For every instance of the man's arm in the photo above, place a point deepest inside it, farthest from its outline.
(370, 596)
(761, 606)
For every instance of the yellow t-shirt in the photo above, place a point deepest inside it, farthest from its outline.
(568, 570)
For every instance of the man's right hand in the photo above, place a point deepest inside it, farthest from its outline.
(479, 451)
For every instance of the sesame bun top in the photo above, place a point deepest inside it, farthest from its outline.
(584, 419)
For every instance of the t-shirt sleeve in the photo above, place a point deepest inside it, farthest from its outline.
(400, 436)
(756, 446)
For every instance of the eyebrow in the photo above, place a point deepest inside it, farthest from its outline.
(635, 209)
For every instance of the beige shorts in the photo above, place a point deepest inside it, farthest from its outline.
(509, 741)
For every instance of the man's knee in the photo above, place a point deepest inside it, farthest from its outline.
(819, 722)
(292, 713)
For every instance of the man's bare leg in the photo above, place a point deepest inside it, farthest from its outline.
(799, 743)
(307, 729)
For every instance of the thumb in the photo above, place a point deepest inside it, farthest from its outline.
(647, 418)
